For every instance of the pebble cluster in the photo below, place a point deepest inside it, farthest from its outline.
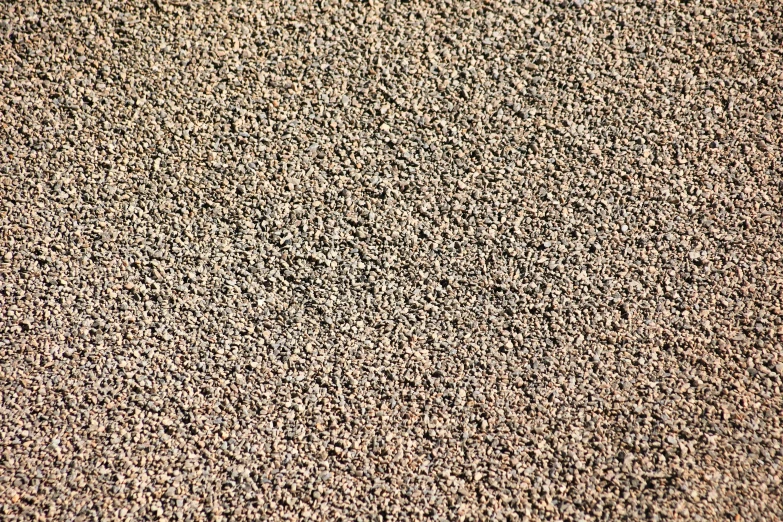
(398, 260)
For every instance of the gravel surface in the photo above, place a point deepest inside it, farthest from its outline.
(419, 260)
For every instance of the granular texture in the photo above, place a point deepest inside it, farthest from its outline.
(412, 260)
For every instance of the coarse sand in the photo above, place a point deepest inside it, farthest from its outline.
(376, 261)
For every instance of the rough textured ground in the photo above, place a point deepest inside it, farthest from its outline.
(420, 260)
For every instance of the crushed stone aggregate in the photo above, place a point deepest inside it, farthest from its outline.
(413, 260)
